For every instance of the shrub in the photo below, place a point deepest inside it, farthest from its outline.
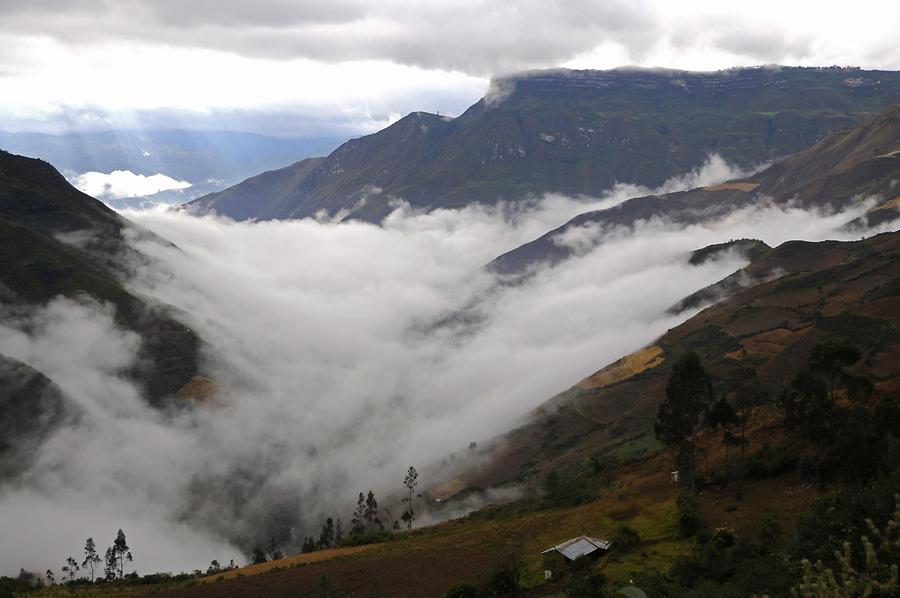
(584, 581)
(506, 578)
(688, 514)
(626, 538)
(464, 590)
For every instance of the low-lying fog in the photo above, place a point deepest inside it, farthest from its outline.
(344, 353)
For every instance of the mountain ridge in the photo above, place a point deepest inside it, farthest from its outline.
(577, 133)
(839, 171)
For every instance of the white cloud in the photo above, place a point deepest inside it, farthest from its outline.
(119, 184)
(345, 353)
(357, 64)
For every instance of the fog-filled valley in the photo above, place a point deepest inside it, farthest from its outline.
(336, 355)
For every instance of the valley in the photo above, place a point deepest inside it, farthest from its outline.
(654, 307)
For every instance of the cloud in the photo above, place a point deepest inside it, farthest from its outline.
(119, 184)
(475, 36)
(344, 352)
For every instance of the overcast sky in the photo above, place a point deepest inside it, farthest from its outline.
(351, 66)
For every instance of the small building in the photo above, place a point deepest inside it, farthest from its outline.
(557, 559)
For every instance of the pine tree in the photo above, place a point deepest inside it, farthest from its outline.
(91, 558)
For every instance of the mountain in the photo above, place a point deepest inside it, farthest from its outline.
(208, 160)
(822, 290)
(574, 132)
(56, 241)
(842, 169)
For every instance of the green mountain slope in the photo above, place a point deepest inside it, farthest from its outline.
(838, 171)
(575, 132)
(56, 241)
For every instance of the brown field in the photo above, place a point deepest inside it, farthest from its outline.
(625, 368)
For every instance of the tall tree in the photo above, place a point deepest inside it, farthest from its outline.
(721, 415)
(50, 578)
(410, 481)
(357, 522)
(326, 538)
(829, 360)
(338, 532)
(70, 569)
(749, 392)
(121, 553)
(91, 558)
(373, 521)
(274, 551)
(688, 394)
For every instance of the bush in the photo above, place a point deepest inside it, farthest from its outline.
(688, 514)
(584, 581)
(373, 537)
(625, 538)
(506, 578)
(464, 590)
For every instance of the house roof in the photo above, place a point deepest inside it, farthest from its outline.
(580, 546)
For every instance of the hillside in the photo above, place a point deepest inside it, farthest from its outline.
(849, 290)
(574, 132)
(837, 172)
(56, 241)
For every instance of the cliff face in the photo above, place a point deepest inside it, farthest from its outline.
(840, 170)
(574, 132)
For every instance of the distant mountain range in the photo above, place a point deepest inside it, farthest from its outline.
(846, 167)
(208, 160)
(573, 132)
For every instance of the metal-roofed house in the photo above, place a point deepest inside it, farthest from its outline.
(557, 559)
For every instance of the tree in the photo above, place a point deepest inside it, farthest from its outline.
(829, 360)
(109, 568)
(807, 408)
(258, 556)
(372, 519)
(688, 394)
(749, 392)
(410, 481)
(326, 538)
(214, 567)
(309, 544)
(70, 569)
(50, 578)
(119, 553)
(721, 415)
(357, 523)
(91, 558)
(274, 551)
(876, 577)
(338, 532)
